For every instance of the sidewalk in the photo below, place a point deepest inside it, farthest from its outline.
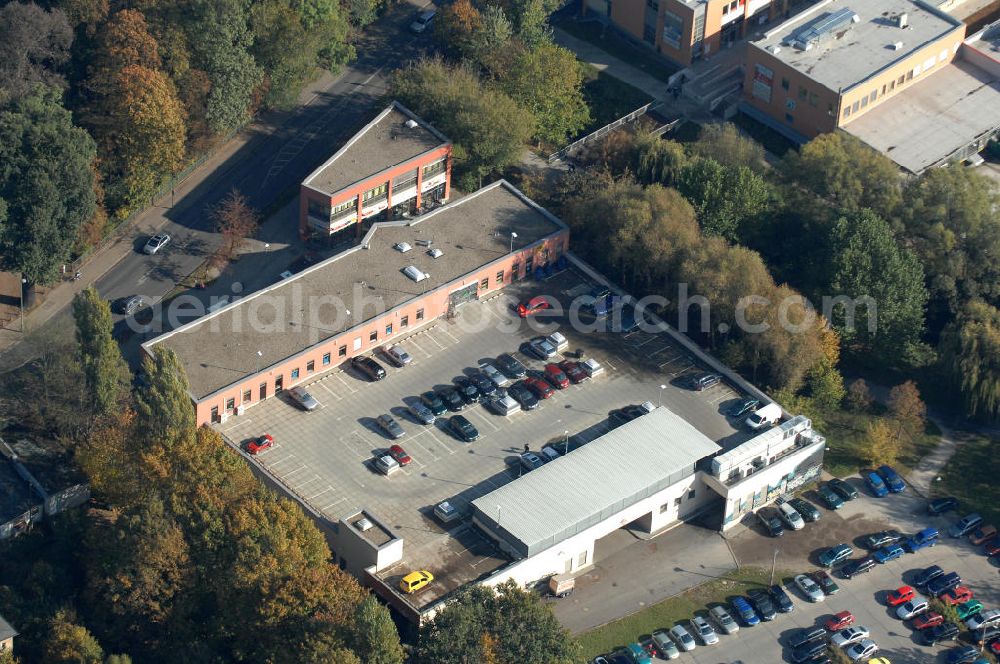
(611, 65)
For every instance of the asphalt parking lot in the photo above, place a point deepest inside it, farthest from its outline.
(324, 457)
(863, 596)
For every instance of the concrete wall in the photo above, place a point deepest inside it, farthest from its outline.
(356, 340)
(978, 52)
(68, 498)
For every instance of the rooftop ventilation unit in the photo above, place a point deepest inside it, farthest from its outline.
(903, 20)
(898, 46)
(413, 272)
(411, 124)
(822, 28)
(363, 524)
(435, 253)
(425, 243)
(402, 247)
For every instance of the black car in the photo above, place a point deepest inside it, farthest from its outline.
(943, 583)
(806, 509)
(433, 403)
(771, 522)
(761, 601)
(743, 407)
(942, 505)
(511, 366)
(882, 538)
(620, 416)
(368, 367)
(966, 655)
(943, 632)
(853, 568)
(463, 428)
(483, 383)
(928, 575)
(521, 394)
(452, 399)
(808, 652)
(843, 489)
(467, 390)
(781, 599)
(807, 635)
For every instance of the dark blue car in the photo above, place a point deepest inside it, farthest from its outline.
(742, 608)
(892, 479)
(876, 484)
(888, 552)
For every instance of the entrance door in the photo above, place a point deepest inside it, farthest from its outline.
(215, 413)
(278, 383)
(463, 295)
(263, 391)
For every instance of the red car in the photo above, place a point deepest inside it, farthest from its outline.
(539, 387)
(556, 376)
(993, 548)
(900, 595)
(839, 621)
(260, 444)
(400, 455)
(533, 306)
(574, 370)
(956, 596)
(929, 619)
(995, 647)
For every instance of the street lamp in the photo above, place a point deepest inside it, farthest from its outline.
(257, 362)
(267, 246)
(23, 284)
(774, 562)
(659, 400)
(512, 236)
(565, 442)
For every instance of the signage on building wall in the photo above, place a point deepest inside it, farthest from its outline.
(763, 79)
(430, 183)
(342, 223)
(375, 209)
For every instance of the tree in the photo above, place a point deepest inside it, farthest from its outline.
(235, 220)
(971, 357)
(376, 641)
(907, 408)
(455, 27)
(530, 19)
(724, 143)
(164, 408)
(69, 643)
(658, 160)
(868, 263)
(547, 80)
(106, 373)
(519, 626)
(724, 197)
(859, 396)
(882, 445)
(46, 185)
(34, 46)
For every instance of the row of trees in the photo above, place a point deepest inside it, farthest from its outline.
(501, 84)
(102, 102)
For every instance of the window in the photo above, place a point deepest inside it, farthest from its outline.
(673, 28)
(373, 335)
(873, 96)
(230, 403)
(215, 414)
(500, 278)
(884, 88)
(864, 102)
(784, 83)
(404, 322)
(527, 264)
(342, 351)
(345, 206)
(813, 99)
(677, 501)
(653, 4)
(649, 34)
(691, 494)
(855, 106)
(310, 366)
(847, 111)
(664, 507)
(892, 85)
(901, 79)
(295, 373)
(484, 284)
(788, 118)
(388, 329)
(319, 209)
(326, 359)
(263, 391)
(732, 5)
(376, 192)
(909, 75)
(247, 395)
(356, 343)
(725, 9)
(515, 270)
(803, 93)
(790, 104)
(420, 314)
(433, 169)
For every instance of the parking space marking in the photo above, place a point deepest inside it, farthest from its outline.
(427, 450)
(643, 343)
(412, 341)
(448, 334)
(339, 377)
(317, 495)
(484, 418)
(431, 338)
(327, 389)
(356, 435)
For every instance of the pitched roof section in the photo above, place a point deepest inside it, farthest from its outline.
(384, 142)
(596, 481)
(6, 631)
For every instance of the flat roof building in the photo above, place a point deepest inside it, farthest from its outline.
(396, 165)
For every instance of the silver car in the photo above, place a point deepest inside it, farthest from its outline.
(913, 608)
(494, 374)
(663, 643)
(862, 651)
(303, 398)
(390, 426)
(683, 638)
(704, 631)
(156, 243)
(724, 620)
(849, 636)
(541, 348)
(421, 412)
(397, 355)
(809, 588)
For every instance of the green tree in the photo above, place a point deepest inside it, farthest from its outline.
(659, 161)
(106, 373)
(70, 643)
(164, 407)
(34, 46)
(724, 143)
(530, 18)
(869, 263)
(520, 627)
(723, 197)
(547, 80)
(971, 356)
(493, 37)
(46, 185)
(456, 26)
(376, 640)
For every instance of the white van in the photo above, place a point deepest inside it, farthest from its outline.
(764, 417)
(791, 516)
(386, 465)
(558, 341)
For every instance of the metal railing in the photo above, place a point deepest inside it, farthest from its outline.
(606, 129)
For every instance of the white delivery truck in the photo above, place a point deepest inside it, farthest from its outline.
(764, 417)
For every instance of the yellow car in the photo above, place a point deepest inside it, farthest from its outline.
(414, 581)
(879, 660)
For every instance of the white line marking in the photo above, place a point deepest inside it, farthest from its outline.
(434, 341)
(449, 335)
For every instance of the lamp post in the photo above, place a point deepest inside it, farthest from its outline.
(257, 362)
(267, 246)
(21, 299)
(565, 442)
(774, 563)
(659, 399)
(512, 236)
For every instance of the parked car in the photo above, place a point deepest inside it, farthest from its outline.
(389, 425)
(808, 652)
(955, 596)
(862, 651)
(533, 306)
(451, 398)
(592, 367)
(769, 519)
(828, 585)
(725, 621)
(857, 567)
(539, 387)
(791, 517)
(891, 478)
(968, 609)
(943, 583)
(397, 355)
(433, 402)
(494, 374)
(765, 416)
(809, 588)
(422, 413)
(511, 366)
(927, 575)
(414, 581)
(155, 243)
(927, 620)
(742, 608)
(805, 508)
(963, 655)
(386, 465)
(829, 497)
(400, 455)
(781, 599)
(804, 636)
(835, 554)
(683, 638)
(943, 632)
(875, 484)
(550, 453)
(423, 21)
(704, 381)
(982, 534)
(761, 602)
(574, 371)
(463, 428)
(635, 654)
(849, 636)
(520, 393)
(882, 538)
(843, 489)
(839, 621)
(369, 367)
(704, 631)
(983, 619)
(541, 348)
(665, 645)
(912, 609)
(743, 407)
(942, 505)
(503, 404)
(131, 305)
(556, 376)
(925, 538)
(888, 553)
(531, 461)
(900, 595)
(303, 398)
(258, 445)
(467, 390)
(965, 526)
